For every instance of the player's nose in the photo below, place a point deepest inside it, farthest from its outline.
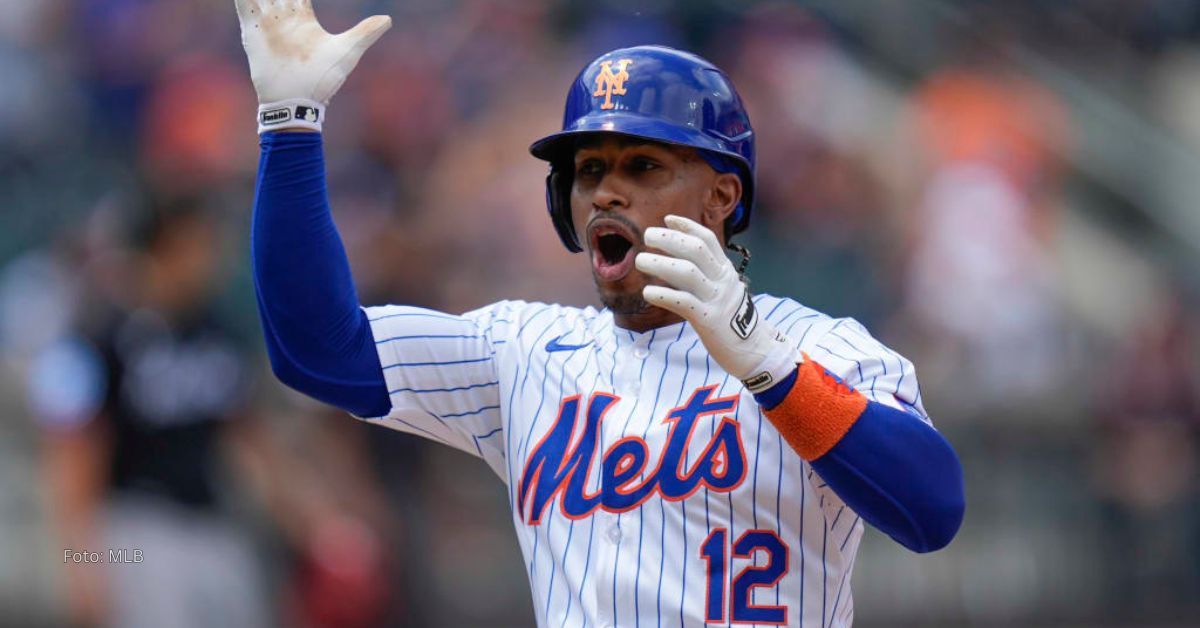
(610, 194)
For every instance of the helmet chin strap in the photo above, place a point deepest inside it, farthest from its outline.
(745, 255)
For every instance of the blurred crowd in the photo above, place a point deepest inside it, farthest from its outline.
(932, 169)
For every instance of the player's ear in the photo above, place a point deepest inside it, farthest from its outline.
(722, 199)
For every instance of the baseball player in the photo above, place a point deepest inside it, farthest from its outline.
(689, 454)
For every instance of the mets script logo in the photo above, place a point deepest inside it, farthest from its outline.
(610, 83)
(561, 463)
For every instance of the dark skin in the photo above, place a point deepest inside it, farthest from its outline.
(629, 185)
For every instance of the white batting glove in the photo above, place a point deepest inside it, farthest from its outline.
(707, 291)
(295, 64)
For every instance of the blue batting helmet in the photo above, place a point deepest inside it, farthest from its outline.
(654, 93)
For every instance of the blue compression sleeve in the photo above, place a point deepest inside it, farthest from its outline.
(895, 471)
(318, 338)
(900, 475)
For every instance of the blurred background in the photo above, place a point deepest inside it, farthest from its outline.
(1006, 192)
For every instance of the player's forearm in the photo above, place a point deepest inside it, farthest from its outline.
(74, 471)
(75, 462)
(318, 338)
(893, 469)
(900, 475)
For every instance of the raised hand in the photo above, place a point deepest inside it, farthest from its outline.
(707, 291)
(296, 65)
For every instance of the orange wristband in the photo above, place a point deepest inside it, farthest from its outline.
(817, 412)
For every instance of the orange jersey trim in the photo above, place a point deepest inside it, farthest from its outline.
(817, 412)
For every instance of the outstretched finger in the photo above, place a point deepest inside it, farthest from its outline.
(691, 227)
(677, 301)
(684, 246)
(679, 273)
(368, 32)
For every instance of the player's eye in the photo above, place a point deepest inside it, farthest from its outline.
(589, 167)
(643, 164)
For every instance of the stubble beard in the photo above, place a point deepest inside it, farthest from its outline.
(624, 304)
(629, 303)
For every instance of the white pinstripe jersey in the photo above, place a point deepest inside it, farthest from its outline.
(647, 488)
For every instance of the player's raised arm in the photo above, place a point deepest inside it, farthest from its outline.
(317, 336)
(412, 366)
(409, 365)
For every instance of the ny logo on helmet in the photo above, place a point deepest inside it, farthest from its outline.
(609, 83)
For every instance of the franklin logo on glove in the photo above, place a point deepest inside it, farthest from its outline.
(274, 116)
(745, 320)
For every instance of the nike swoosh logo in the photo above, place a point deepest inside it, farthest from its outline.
(554, 345)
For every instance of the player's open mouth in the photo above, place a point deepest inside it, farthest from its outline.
(612, 250)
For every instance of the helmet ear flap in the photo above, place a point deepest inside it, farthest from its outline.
(558, 202)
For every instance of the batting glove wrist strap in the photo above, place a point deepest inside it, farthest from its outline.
(775, 366)
(293, 113)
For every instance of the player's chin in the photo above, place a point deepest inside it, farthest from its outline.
(623, 296)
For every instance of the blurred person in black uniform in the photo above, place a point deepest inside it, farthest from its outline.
(1147, 467)
(135, 412)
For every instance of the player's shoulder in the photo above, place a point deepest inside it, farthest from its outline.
(522, 318)
(790, 316)
(813, 330)
(848, 350)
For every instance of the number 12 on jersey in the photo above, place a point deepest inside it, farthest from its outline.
(714, 553)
